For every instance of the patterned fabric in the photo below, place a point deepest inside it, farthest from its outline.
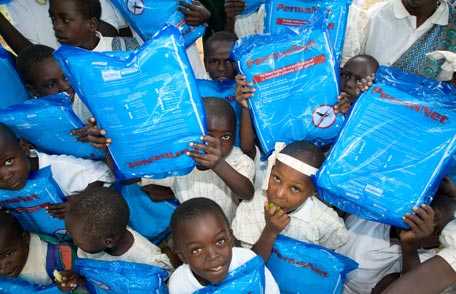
(438, 38)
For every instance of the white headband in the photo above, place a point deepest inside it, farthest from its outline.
(292, 162)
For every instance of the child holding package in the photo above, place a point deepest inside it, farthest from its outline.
(97, 221)
(203, 240)
(217, 56)
(289, 205)
(223, 173)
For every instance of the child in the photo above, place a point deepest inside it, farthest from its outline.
(217, 51)
(290, 205)
(383, 252)
(223, 174)
(204, 242)
(97, 221)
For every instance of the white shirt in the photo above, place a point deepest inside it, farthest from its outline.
(182, 281)
(370, 246)
(196, 62)
(250, 24)
(448, 242)
(208, 184)
(355, 32)
(74, 174)
(40, 31)
(34, 270)
(104, 43)
(313, 222)
(142, 251)
(391, 30)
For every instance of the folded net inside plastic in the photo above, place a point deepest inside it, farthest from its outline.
(13, 91)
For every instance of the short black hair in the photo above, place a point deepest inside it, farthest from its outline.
(7, 135)
(30, 56)
(102, 211)
(10, 224)
(219, 108)
(306, 152)
(88, 8)
(221, 36)
(364, 57)
(194, 208)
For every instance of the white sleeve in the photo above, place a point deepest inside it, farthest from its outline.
(333, 233)
(110, 15)
(251, 24)
(448, 243)
(180, 281)
(246, 167)
(249, 222)
(355, 33)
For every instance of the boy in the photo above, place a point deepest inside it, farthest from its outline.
(292, 206)
(204, 242)
(217, 51)
(223, 174)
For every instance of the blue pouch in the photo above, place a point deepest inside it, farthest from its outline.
(251, 6)
(146, 100)
(393, 152)
(225, 90)
(13, 91)
(300, 267)
(19, 286)
(31, 119)
(248, 278)
(148, 17)
(296, 87)
(121, 277)
(28, 204)
(329, 15)
(150, 219)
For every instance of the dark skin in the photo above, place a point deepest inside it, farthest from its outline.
(232, 9)
(422, 9)
(14, 249)
(287, 190)
(71, 27)
(195, 13)
(12, 36)
(217, 61)
(205, 243)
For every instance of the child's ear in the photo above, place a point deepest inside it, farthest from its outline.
(93, 24)
(109, 243)
(25, 146)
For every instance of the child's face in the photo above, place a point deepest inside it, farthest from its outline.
(14, 249)
(205, 243)
(288, 188)
(70, 25)
(83, 240)
(14, 166)
(218, 63)
(353, 72)
(222, 128)
(48, 79)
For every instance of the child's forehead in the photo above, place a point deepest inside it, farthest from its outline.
(207, 222)
(220, 46)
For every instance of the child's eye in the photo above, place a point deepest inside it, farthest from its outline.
(50, 85)
(196, 251)
(276, 178)
(66, 20)
(295, 189)
(226, 137)
(8, 162)
(220, 242)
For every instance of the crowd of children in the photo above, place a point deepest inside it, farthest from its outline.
(232, 205)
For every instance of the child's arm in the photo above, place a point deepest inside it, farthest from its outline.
(92, 135)
(276, 221)
(212, 158)
(195, 13)
(243, 93)
(232, 9)
(12, 36)
(158, 193)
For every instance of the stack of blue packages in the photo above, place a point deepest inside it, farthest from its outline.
(248, 278)
(146, 100)
(31, 119)
(397, 145)
(328, 15)
(148, 17)
(104, 277)
(296, 87)
(149, 218)
(18, 286)
(28, 204)
(299, 267)
(225, 90)
(13, 91)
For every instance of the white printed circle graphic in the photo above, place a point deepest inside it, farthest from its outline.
(324, 116)
(135, 6)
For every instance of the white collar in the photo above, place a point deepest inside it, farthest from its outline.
(440, 16)
(104, 43)
(304, 212)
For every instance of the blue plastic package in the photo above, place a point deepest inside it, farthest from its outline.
(248, 278)
(19, 286)
(149, 218)
(393, 152)
(300, 267)
(28, 204)
(227, 91)
(148, 17)
(146, 100)
(296, 87)
(251, 6)
(31, 119)
(13, 91)
(121, 277)
(329, 15)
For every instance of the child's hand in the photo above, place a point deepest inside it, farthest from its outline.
(212, 152)
(344, 104)
(68, 281)
(243, 91)
(234, 7)
(421, 226)
(276, 219)
(58, 210)
(195, 13)
(158, 193)
(346, 100)
(92, 134)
